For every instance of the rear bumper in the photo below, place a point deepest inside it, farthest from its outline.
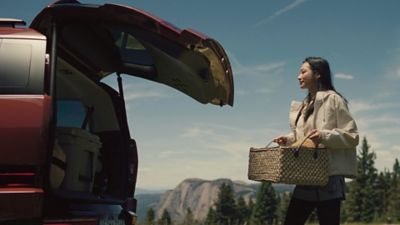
(20, 203)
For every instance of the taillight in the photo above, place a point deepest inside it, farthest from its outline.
(72, 221)
(18, 176)
(93, 222)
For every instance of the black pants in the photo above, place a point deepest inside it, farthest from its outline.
(328, 212)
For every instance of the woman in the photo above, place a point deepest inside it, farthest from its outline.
(324, 116)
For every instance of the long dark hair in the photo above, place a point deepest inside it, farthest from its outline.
(319, 66)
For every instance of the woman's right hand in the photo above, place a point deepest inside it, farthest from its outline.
(281, 140)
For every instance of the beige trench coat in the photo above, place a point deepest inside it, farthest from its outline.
(338, 128)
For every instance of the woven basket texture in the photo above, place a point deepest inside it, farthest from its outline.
(279, 165)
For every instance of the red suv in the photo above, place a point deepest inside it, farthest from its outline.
(66, 155)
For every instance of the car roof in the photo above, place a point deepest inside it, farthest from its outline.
(20, 33)
(8, 29)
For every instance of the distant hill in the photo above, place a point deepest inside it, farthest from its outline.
(197, 194)
(140, 191)
(145, 202)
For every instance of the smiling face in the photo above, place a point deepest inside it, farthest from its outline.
(307, 78)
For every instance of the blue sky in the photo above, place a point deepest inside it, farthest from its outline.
(266, 42)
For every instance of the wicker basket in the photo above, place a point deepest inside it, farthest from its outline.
(303, 166)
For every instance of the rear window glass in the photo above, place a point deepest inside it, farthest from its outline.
(14, 64)
(22, 66)
(70, 113)
(131, 50)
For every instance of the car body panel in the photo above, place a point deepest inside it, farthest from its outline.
(25, 108)
(117, 39)
(24, 122)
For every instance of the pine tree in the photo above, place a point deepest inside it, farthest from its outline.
(189, 218)
(284, 200)
(165, 218)
(211, 218)
(225, 207)
(251, 205)
(382, 188)
(360, 203)
(396, 172)
(243, 211)
(265, 208)
(393, 214)
(150, 217)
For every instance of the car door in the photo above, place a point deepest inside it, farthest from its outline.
(109, 38)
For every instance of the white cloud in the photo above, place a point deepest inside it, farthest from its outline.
(358, 106)
(270, 73)
(288, 8)
(280, 12)
(271, 67)
(384, 149)
(265, 90)
(397, 72)
(134, 95)
(241, 92)
(196, 132)
(204, 150)
(143, 89)
(169, 154)
(158, 176)
(254, 70)
(258, 70)
(379, 122)
(393, 71)
(386, 93)
(385, 158)
(232, 141)
(382, 133)
(344, 76)
(361, 106)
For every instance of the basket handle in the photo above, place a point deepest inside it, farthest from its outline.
(269, 144)
(296, 152)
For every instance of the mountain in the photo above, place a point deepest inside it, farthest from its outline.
(197, 194)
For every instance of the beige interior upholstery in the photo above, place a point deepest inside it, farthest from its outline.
(73, 85)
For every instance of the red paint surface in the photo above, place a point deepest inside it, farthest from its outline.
(24, 124)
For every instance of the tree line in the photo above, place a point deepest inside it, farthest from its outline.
(372, 197)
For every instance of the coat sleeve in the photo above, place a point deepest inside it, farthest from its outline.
(345, 134)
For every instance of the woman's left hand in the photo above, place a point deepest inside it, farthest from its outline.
(315, 136)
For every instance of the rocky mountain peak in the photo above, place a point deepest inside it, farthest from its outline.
(198, 195)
